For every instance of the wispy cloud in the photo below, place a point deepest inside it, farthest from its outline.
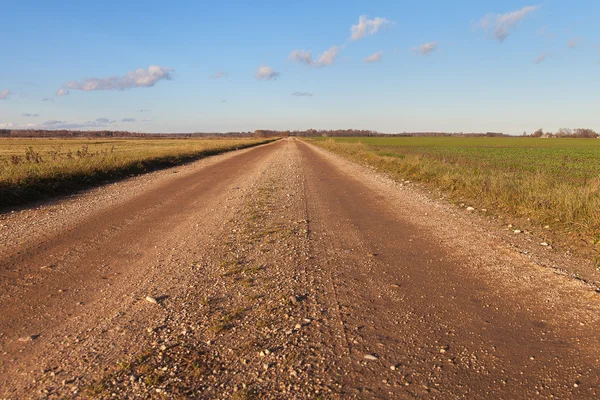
(29, 115)
(264, 73)
(367, 27)
(541, 58)
(133, 79)
(426, 48)
(305, 57)
(4, 94)
(128, 120)
(47, 99)
(58, 124)
(573, 43)
(302, 94)
(503, 24)
(545, 32)
(144, 110)
(218, 75)
(374, 57)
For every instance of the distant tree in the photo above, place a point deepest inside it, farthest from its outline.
(564, 133)
(538, 133)
(585, 133)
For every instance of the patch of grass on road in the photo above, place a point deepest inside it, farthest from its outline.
(550, 181)
(36, 168)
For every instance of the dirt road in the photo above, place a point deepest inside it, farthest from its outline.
(283, 271)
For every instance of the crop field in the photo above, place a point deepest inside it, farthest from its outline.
(552, 182)
(34, 168)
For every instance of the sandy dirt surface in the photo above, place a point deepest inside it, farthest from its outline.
(284, 271)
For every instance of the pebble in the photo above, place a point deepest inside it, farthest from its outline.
(544, 244)
(30, 338)
(370, 357)
(151, 299)
(470, 209)
(517, 231)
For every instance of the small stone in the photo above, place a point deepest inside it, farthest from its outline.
(293, 299)
(544, 244)
(393, 367)
(370, 357)
(470, 209)
(29, 338)
(163, 347)
(517, 231)
(151, 299)
(298, 327)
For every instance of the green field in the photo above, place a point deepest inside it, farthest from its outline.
(36, 168)
(550, 181)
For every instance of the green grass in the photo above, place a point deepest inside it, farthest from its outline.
(549, 181)
(36, 168)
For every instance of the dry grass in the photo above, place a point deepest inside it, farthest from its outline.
(36, 168)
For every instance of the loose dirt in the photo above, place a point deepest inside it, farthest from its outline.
(283, 272)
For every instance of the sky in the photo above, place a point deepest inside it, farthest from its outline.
(237, 65)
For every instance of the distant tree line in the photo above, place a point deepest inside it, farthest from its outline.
(562, 133)
(567, 133)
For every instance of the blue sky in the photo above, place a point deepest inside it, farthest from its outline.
(436, 65)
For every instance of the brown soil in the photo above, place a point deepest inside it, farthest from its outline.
(284, 272)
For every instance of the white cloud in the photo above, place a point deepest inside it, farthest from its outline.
(573, 43)
(302, 94)
(4, 94)
(374, 57)
(426, 48)
(367, 27)
(138, 78)
(541, 58)
(503, 24)
(264, 73)
(128, 120)
(305, 57)
(29, 115)
(7, 125)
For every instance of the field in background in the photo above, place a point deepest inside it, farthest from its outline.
(553, 182)
(36, 168)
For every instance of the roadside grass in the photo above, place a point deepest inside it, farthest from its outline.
(32, 169)
(553, 182)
